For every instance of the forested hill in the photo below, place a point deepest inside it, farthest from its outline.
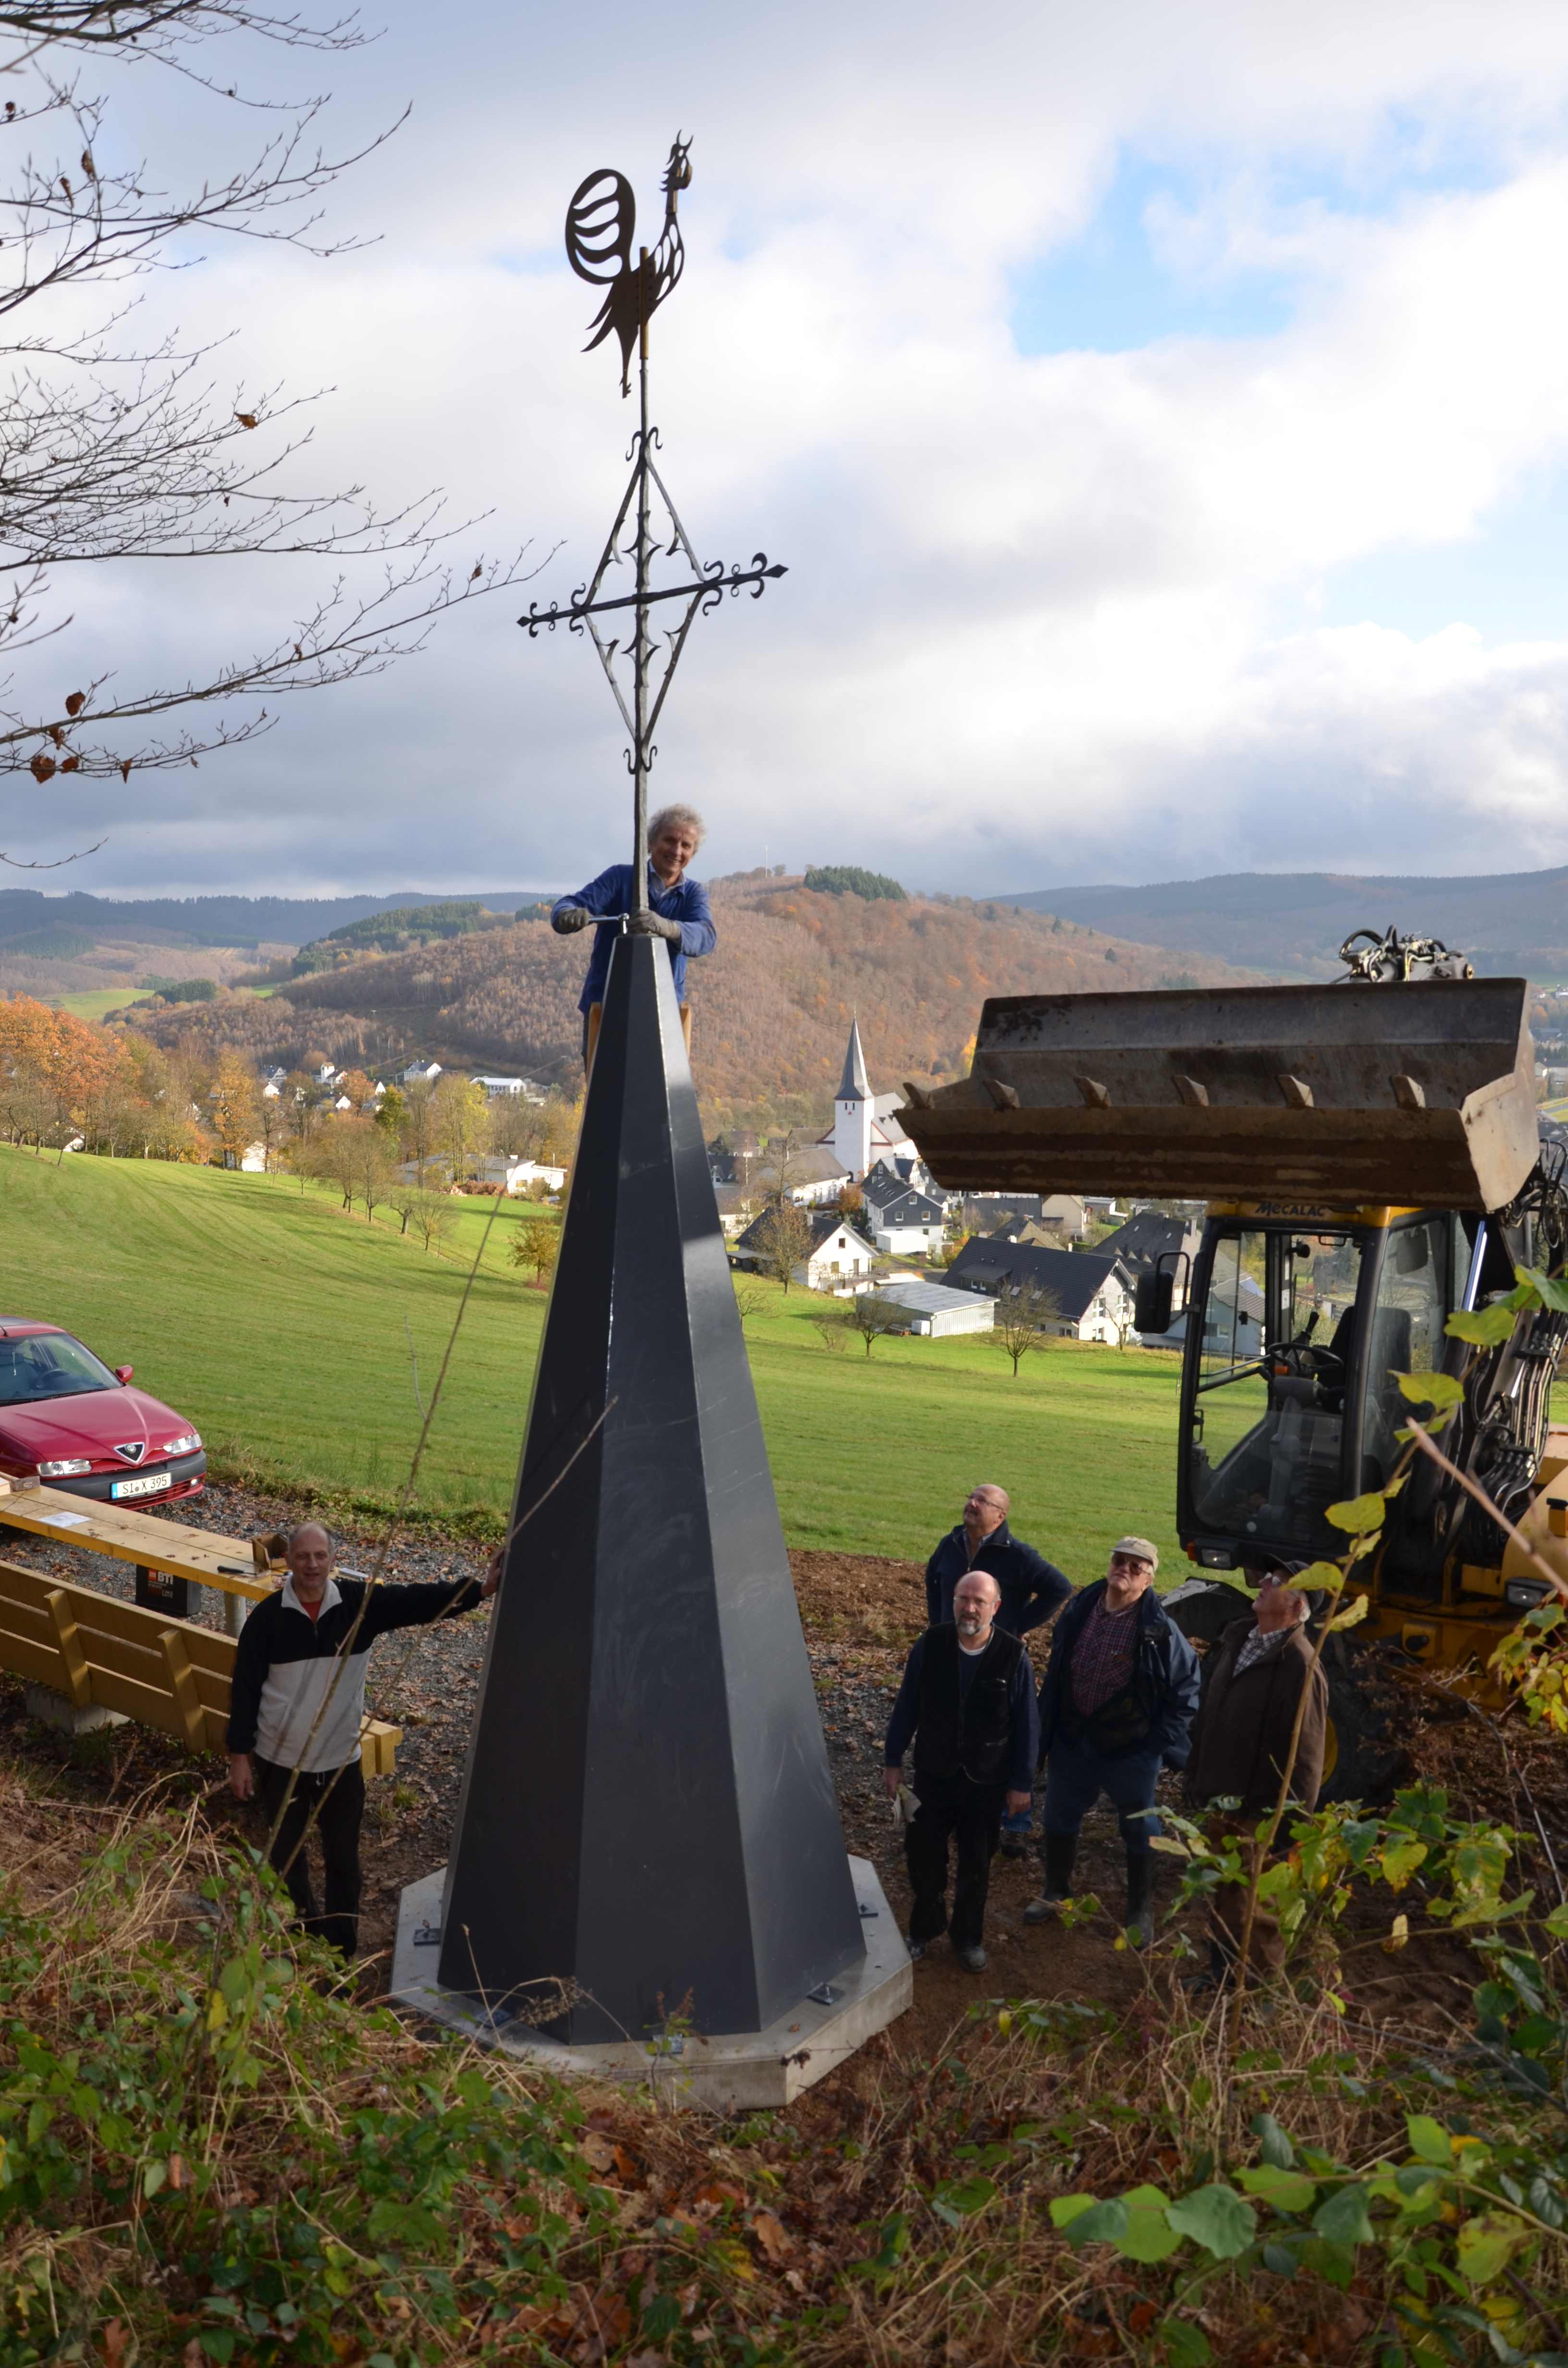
(1509, 922)
(772, 1006)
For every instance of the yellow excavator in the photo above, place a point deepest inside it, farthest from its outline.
(1372, 1161)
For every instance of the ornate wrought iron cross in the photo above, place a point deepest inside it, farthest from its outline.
(600, 222)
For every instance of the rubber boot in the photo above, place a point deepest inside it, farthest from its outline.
(1058, 1852)
(1140, 1885)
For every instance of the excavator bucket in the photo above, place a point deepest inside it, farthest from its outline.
(1419, 1094)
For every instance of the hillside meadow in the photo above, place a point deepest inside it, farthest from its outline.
(301, 1342)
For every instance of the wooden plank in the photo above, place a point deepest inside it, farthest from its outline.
(201, 1554)
(78, 1686)
(39, 1663)
(378, 1748)
(182, 1685)
(107, 1615)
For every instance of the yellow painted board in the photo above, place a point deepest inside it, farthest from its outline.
(203, 1555)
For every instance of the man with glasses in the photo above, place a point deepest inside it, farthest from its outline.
(1116, 1702)
(1032, 1591)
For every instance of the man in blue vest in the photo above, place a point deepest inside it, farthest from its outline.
(677, 907)
(1033, 1592)
(967, 1703)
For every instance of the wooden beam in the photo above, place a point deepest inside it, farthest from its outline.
(78, 1686)
(182, 1685)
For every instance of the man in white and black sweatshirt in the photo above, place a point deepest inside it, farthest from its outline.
(297, 1707)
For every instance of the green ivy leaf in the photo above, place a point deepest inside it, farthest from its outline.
(1485, 2245)
(1150, 2236)
(1399, 1862)
(1431, 1389)
(1359, 1514)
(1557, 1923)
(1216, 2217)
(1284, 2190)
(1343, 2219)
(1274, 2145)
(1486, 1327)
(1428, 2139)
(1102, 2224)
(1551, 1290)
(1185, 2345)
(958, 2199)
(1320, 1578)
(1354, 1611)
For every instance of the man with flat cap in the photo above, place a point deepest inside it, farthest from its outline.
(1116, 1702)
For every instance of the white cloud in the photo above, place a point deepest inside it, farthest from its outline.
(1047, 615)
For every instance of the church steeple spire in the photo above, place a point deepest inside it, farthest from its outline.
(855, 1086)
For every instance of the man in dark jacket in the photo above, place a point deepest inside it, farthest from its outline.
(677, 907)
(1116, 1702)
(1033, 1590)
(1254, 1681)
(297, 1706)
(966, 1702)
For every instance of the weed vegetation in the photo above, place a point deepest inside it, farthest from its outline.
(302, 1343)
(212, 2153)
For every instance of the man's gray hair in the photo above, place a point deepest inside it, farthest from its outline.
(310, 1523)
(685, 818)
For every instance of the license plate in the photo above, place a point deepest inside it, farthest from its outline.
(148, 1484)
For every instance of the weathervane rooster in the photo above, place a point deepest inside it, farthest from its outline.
(601, 222)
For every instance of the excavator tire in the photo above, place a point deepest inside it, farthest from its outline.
(1363, 1760)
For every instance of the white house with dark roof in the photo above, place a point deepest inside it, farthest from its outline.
(1093, 1294)
(901, 1222)
(838, 1260)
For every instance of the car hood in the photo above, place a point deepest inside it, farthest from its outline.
(94, 1424)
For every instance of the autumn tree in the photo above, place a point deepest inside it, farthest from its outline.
(391, 1115)
(234, 1107)
(432, 1217)
(419, 1128)
(118, 449)
(783, 1236)
(871, 1319)
(536, 1244)
(1024, 1321)
(461, 1120)
(365, 1160)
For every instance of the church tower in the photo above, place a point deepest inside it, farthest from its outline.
(852, 1111)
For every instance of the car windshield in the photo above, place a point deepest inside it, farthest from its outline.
(1267, 1440)
(48, 1365)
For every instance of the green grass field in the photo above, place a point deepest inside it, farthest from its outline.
(288, 1333)
(92, 1002)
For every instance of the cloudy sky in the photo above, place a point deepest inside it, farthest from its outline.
(1162, 414)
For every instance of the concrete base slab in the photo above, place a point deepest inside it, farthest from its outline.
(740, 2072)
(53, 1710)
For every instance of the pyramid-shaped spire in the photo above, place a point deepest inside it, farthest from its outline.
(648, 1823)
(855, 1086)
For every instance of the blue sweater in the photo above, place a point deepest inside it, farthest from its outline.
(686, 903)
(1032, 1589)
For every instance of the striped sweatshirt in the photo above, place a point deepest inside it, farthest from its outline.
(297, 1696)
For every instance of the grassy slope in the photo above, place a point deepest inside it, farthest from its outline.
(283, 1330)
(92, 1002)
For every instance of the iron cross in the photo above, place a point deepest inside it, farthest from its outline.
(600, 222)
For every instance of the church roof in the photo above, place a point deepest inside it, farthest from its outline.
(855, 1086)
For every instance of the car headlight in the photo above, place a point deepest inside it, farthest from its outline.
(63, 1466)
(185, 1444)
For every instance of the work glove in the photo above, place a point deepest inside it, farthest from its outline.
(654, 925)
(570, 919)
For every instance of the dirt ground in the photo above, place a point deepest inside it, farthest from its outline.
(859, 1615)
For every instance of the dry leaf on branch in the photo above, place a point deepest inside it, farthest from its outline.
(76, 703)
(245, 418)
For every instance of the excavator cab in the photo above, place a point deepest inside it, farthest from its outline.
(1371, 1160)
(1292, 1336)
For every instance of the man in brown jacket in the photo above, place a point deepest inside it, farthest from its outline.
(1253, 1682)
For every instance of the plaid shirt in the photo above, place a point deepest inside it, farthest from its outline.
(1103, 1656)
(1258, 1646)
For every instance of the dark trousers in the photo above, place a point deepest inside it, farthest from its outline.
(952, 1808)
(333, 1803)
(1076, 1774)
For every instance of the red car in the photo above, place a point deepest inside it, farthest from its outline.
(78, 1426)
